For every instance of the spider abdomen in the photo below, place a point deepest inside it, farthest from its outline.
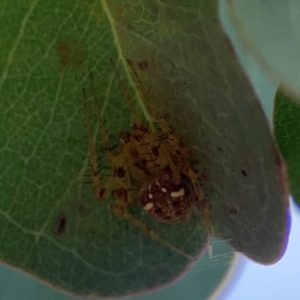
(167, 201)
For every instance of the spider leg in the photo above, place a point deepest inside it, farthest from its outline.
(209, 229)
(120, 209)
(136, 117)
(157, 116)
(202, 204)
(166, 155)
(161, 158)
(88, 109)
(130, 218)
(97, 108)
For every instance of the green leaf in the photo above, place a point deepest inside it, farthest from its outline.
(51, 224)
(287, 132)
(195, 78)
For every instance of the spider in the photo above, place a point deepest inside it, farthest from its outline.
(151, 168)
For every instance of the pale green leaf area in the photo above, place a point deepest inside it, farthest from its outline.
(276, 48)
(51, 224)
(287, 132)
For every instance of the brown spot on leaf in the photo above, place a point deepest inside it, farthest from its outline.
(61, 225)
(71, 54)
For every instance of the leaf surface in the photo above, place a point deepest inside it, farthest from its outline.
(51, 224)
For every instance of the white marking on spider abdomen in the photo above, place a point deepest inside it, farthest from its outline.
(148, 206)
(178, 193)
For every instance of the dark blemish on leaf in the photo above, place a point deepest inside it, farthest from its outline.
(143, 65)
(71, 54)
(62, 225)
(220, 149)
(232, 211)
(244, 173)
(214, 71)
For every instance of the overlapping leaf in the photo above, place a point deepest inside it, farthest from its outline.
(287, 132)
